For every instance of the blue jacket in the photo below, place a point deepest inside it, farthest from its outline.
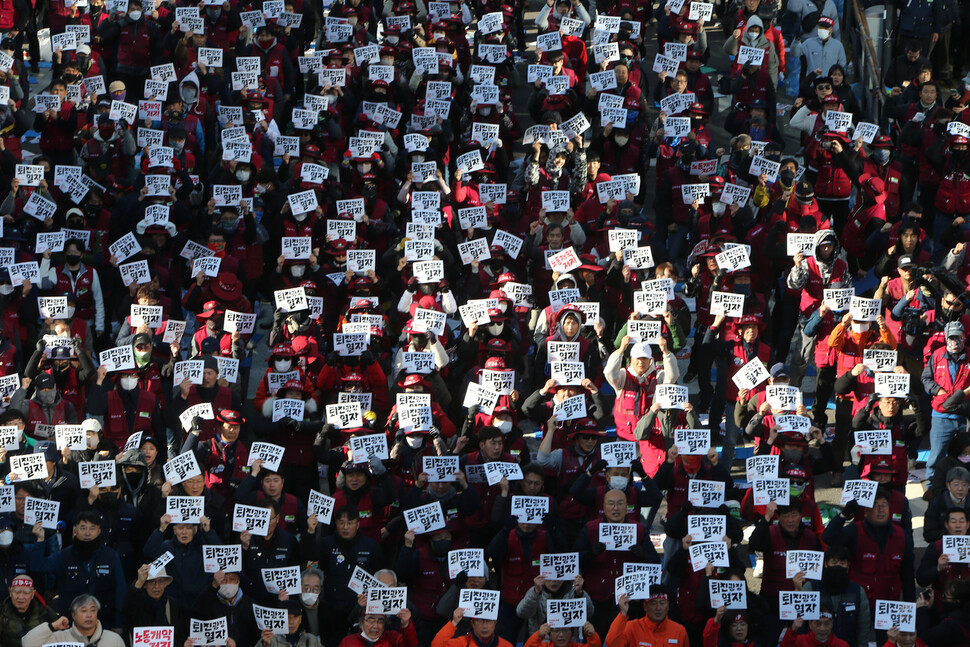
(101, 575)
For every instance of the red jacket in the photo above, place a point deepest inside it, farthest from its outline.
(406, 638)
(808, 640)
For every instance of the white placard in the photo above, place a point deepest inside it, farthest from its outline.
(862, 491)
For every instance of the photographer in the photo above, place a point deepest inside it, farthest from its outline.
(911, 301)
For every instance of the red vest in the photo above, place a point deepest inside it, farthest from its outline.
(430, 585)
(832, 182)
(892, 175)
(571, 465)
(483, 515)
(875, 570)
(7, 357)
(813, 292)
(97, 148)
(215, 468)
(853, 234)
(116, 424)
(35, 416)
(371, 518)
(601, 573)
(518, 569)
(632, 403)
(71, 391)
(941, 375)
(953, 196)
(773, 578)
(134, 49)
(8, 15)
(81, 287)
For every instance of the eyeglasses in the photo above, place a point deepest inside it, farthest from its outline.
(823, 87)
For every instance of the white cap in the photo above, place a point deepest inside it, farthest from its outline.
(91, 424)
(641, 349)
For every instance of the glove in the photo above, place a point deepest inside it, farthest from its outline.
(412, 284)
(41, 344)
(289, 424)
(333, 358)
(393, 419)
(637, 468)
(443, 285)
(851, 509)
(197, 423)
(687, 508)
(366, 358)
(473, 411)
(376, 466)
(279, 316)
(597, 466)
(637, 552)
(598, 549)
(461, 580)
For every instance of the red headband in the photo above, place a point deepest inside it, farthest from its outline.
(22, 580)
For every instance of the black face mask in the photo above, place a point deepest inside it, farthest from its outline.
(72, 259)
(109, 499)
(440, 546)
(134, 479)
(939, 129)
(835, 578)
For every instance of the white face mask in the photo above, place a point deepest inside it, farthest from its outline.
(134, 15)
(128, 383)
(824, 33)
(621, 140)
(417, 158)
(505, 426)
(496, 328)
(752, 36)
(228, 590)
(6, 288)
(92, 442)
(309, 599)
(414, 441)
(300, 217)
(6, 537)
(242, 175)
(618, 482)
(859, 327)
(298, 270)
(282, 365)
(718, 207)
(70, 312)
